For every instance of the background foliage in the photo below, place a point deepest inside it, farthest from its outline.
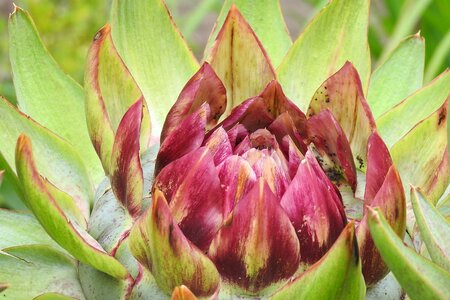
(67, 27)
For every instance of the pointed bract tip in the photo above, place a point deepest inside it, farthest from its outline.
(16, 9)
(23, 142)
(374, 213)
(104, 31)
(182, 293)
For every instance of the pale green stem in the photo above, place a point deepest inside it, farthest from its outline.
(410, 13)
(197, 16)
(439, 55)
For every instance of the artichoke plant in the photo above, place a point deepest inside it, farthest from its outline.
(253, 175)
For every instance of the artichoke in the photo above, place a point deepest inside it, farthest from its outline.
(248, 182)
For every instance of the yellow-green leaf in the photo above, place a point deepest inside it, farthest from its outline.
(64, 230)
(336, 35)
(58, 161)
(399, 76)
(395, 123)
(45, 92)
(421, 156)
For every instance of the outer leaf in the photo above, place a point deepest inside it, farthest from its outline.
(399, 76)
(110, 92)
(336, 276)
(98, 285)
(160, 66)
(17, 229)
(45, 93)
(395, 123)
(110, 221)
(420, 278)
(434, 229)
(10, 190)
(54, 157)
(240, 60)
(422, 155)
(63, 230)
(336, 35)
(36, 269)
(266, 19)
(158, 243)
(145, 286)
(127, 180)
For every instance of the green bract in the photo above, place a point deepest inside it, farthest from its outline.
(262, 172)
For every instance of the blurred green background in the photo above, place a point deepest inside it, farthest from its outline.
(67, 27)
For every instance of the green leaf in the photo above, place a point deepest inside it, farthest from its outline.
(266, 19)
(399, 76)
(421, 156)
(47, 94)
(64, 230)
(336, 35)
(434, 229)
(18, 229)
(337, 275)
(419, 277)
(10, 190)
(154, 51)
(98, 285)
(58, 161)
(395, 123)
(33, 270)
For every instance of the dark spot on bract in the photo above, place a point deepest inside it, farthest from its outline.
(442, 116)
(98, 35)
(360, 161)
